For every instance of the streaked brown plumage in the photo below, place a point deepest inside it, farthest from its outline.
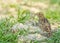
(44, 24)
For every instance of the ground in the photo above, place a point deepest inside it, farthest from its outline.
(26, 29)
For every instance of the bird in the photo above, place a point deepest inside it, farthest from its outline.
(44, 24)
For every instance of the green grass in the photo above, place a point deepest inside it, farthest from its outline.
(23, 15)
(53, 16)
(6, 36)
(55, 38)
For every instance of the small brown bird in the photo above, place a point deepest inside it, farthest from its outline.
(44, 24)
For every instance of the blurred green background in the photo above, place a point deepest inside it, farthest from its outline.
(13, 11)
